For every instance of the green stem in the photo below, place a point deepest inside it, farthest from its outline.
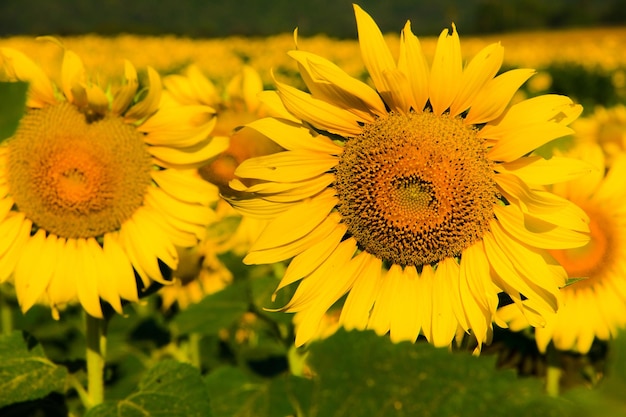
(194, 349)
(554, 371)
(6, 315)
(96, 357)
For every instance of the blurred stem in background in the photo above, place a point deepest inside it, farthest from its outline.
(96, 336)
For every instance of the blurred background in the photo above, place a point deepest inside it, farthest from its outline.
(219, 18)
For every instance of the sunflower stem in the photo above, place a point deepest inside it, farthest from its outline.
(96, 354)
(554, 371)
(194, 349)
(6, 315)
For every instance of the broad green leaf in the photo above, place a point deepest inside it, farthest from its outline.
(215, 312)
(25, 371)
(168, 389)
(233, 393)
(12, 102)
(607, 398)
(361, 374)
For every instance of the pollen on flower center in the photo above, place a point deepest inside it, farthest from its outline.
(74, 178)
(416, 188)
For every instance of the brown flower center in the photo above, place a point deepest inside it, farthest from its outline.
(73, 178)
(416, 188)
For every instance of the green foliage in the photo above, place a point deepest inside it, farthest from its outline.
(215, 312)
(168, 389)
(607, 399)
(235, 393)
(361, 374)
(25, 371)
(12, 105)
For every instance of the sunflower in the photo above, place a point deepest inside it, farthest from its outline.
(594, 306)
(96, 187)
(200, 273)
(236, 104)
(606, 127)
(415, 197)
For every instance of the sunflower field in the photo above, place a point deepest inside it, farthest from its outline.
(305, 225)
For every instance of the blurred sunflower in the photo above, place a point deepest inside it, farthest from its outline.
(96, 187)
(415, 197)
(200, 271)
(595, 306)
(237, 105)
(606, 127)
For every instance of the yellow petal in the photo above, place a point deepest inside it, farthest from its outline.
(374, 51)
(105, 276)
(307, 261)
(296, 222)
(73, 80)
(542, 204)
(259, 208)
(309, 290)
(330, 83)
(481, 69)
(329, 292)
(539, 171)
(444, 320)
(191, 157)
(291, 249)
(125, 93)
(150, 103)
(35, 268)
(180, 126)
(542, 282)
(294, 136)
(545, 236)
(493, 98)
(356, 310)
(322, 115)
(144, 244)
(185, 186)
(288, 166)
(414, 65)
(273, 103)
(446, 71)
(478, 298)
(118, 261)
(287, 192)
(97, 99)
(397, 92)
(425, 300)
(525, 140)
(190, 213)
(86, 280)
(15, 231)
(21, 68)
(405, 320)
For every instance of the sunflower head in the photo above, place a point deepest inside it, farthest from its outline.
(97, 184)
(415, 191)
(594, 301)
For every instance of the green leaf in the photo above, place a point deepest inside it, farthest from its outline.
(12, 104)
(215, 312)
(362, 374)
(234, 393)
(607, 399)
(25, 371)
(168, 389)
